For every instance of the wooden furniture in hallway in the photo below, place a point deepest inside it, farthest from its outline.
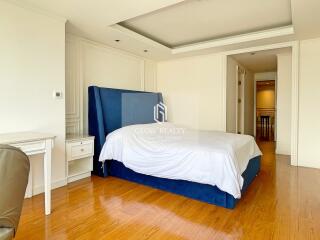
(265, 125)
(265, 121)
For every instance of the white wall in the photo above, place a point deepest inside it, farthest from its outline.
(265, 76)
(192, 90)
(32, 60)
(284, 80)
(90, 63)
(309, 99)
(150, 76)
(196, 82)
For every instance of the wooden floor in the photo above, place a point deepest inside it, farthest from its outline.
(282, 203)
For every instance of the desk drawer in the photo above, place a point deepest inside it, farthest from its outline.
(80, 150)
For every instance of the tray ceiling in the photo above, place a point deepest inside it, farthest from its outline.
(179, 22)
(200, 20)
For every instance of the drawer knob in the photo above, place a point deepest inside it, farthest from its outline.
(82, 149)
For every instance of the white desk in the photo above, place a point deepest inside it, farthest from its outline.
(35, 143)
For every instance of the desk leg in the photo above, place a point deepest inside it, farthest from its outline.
(47, 177)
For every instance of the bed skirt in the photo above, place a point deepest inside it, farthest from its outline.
(198, 191)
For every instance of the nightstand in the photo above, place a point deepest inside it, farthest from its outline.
(79, 150)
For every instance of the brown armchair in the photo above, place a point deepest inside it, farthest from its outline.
(14, 172)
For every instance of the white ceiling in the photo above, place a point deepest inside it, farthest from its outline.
(262, 61)
(188, 21)
(195, 21)
(306, 18)
(93, 19)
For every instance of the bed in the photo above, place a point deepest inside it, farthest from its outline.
(125, 119)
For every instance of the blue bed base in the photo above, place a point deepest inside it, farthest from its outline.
(198, 191)
(106, 114)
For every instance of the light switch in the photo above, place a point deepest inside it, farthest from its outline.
(57, 94)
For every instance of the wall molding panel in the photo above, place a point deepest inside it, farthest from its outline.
(90, 63)
(73, 126)
(73, 87)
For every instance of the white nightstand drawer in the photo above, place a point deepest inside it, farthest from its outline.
(80, 149)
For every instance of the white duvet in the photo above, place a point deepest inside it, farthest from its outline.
(169, 151)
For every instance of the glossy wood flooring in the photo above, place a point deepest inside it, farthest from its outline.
(282, 203)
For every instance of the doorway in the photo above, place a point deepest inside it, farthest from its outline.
(265, 110)
(262, 87)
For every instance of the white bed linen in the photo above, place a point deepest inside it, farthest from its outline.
(169, 151)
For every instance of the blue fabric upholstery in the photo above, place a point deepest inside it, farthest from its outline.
(198, 191)
(110, 109)
(136, 108)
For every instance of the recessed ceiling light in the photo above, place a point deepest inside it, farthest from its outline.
(117, 40)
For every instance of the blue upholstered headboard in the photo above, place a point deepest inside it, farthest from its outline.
(110, 109)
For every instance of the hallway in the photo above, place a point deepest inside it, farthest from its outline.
(265, 110)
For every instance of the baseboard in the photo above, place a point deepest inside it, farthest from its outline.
(308, 165)
(283, 149)
(55, 184)
(282, 152)
(78, 177)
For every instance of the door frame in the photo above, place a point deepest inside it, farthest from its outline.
(243, 72)
(295, 46)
